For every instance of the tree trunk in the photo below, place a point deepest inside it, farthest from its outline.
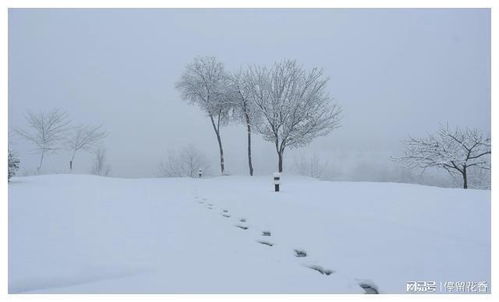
(41, 162)
(280, 155)
(250, 164)
(71, 162)
(465, 178)
(221, 152)
(219, 139)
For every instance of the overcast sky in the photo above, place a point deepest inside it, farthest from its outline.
(394, 72)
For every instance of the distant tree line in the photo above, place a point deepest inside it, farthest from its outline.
(50, 132)
(288, 105)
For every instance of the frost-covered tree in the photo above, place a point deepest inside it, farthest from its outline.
(46, 131)
(185, 163)
(13, 164)
(455, 151)
(243, 107)
(83, 138)
(204, 83)
(294, 104)
(100, 166)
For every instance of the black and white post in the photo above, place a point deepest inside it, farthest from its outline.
(277, 180)
(200, 173)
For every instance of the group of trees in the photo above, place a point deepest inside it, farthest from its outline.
(288, 105)
(53, 131)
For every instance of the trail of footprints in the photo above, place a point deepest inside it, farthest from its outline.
(368, 286)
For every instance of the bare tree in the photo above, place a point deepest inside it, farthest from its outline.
(311, 166)
(243, 106)
(187, 162)
(46, 131)
(194, 160)
(455, 151)
(171, 167)
(294, 104)
(84, 138)
(100, 166)
(204, 83)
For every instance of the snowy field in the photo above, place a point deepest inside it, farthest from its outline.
(89, 234)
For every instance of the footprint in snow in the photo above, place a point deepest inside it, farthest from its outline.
(369, 287)
(225, 211)
(225, 215)
(321, 270)
(265, 242)
(242, 227)
(300, 253)
(242, 220)
(266, 233)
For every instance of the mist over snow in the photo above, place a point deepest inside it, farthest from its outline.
(395, 73)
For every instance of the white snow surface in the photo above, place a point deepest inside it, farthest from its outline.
(90, 234)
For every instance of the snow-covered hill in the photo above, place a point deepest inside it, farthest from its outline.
(88, 234)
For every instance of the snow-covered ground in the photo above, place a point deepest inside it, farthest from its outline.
(88, 234)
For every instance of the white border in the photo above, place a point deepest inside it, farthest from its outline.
(5, 4)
